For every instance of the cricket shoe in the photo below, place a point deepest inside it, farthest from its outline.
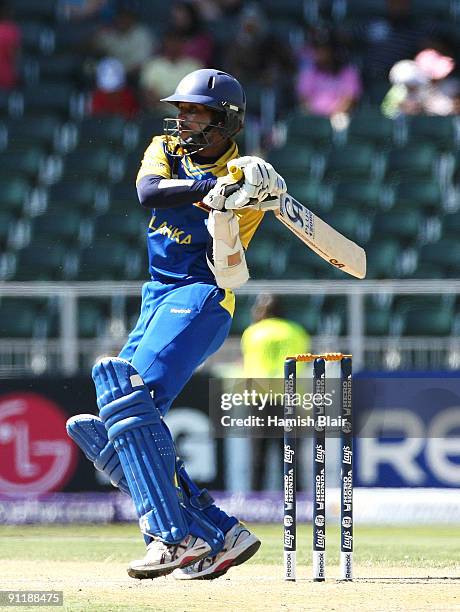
(162, 559)
(239, 546)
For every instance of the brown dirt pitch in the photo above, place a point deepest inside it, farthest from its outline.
(396, 569)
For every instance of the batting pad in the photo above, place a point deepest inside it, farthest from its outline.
(206, 520)
(145, 449)
(88, 431)
(201, 508)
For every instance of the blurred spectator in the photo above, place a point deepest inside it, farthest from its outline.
(383, 41)
(407, 93)
(421, 86)
(161, 74)
(10, 46)
(270, 337)
(330, 85)
(258, 59)
(188, 27)
(127, 39)
(112, 95)
(442, 92)
(265, 345)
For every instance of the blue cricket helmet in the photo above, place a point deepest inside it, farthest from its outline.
(216, 90)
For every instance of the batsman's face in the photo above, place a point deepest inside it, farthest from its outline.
(194, 118)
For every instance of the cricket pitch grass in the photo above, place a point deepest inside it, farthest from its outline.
(396, 568)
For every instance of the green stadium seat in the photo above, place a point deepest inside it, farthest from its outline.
(309, 192)
(35, 9)
(402, 224)
(300, 270)
(456, 167)
(271, 228)
(57, 227)
(151, 125)
(36, 37)
(368, 125)
(359, 194)
(292, 161)
(441, 9)
(90, 319)
(225, 30)
(103, 130)
(94, 163)
(428, 321)
(139, 265)
(262, 259)
(75, 194)
(5, 107)
(26, 163)
(288, 9)
(414, 161)
(154, 12)
(332, 303)
(128, 227)
(417, 194)
(242, 316)
(365, 8)
(350, 161)
(132, 163)
(438, 131)
(405, 303)
(42, 260)
(329, 272)
(375, 91)
(253, 98)
(56, 98)
(302, 311)
(18, 318)
(133, 308)
(106, 260)
(309, 129)
(65, 66)
(288, 30)
(451, 225)
(7, 220)
(382, 257)
(13, 194)
(33, 131)
(347, 221)
(123, 197)
(92, 315)
(303, 263)
(333, 318)
(445, 253)
(427, 270)
(377, 322)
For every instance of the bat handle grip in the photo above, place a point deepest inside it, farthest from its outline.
(236, 173)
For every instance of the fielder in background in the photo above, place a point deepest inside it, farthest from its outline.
(201, 224)
(264, 346)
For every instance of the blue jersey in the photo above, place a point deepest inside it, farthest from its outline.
(177, 237)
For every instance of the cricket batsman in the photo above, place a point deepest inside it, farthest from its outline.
(201, 224)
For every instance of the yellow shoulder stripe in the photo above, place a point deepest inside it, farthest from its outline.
(154, 161)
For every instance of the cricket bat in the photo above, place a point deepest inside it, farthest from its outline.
(318, 235)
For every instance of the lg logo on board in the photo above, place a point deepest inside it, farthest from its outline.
(36, 456)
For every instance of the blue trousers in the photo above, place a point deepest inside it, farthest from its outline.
(179, 327)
